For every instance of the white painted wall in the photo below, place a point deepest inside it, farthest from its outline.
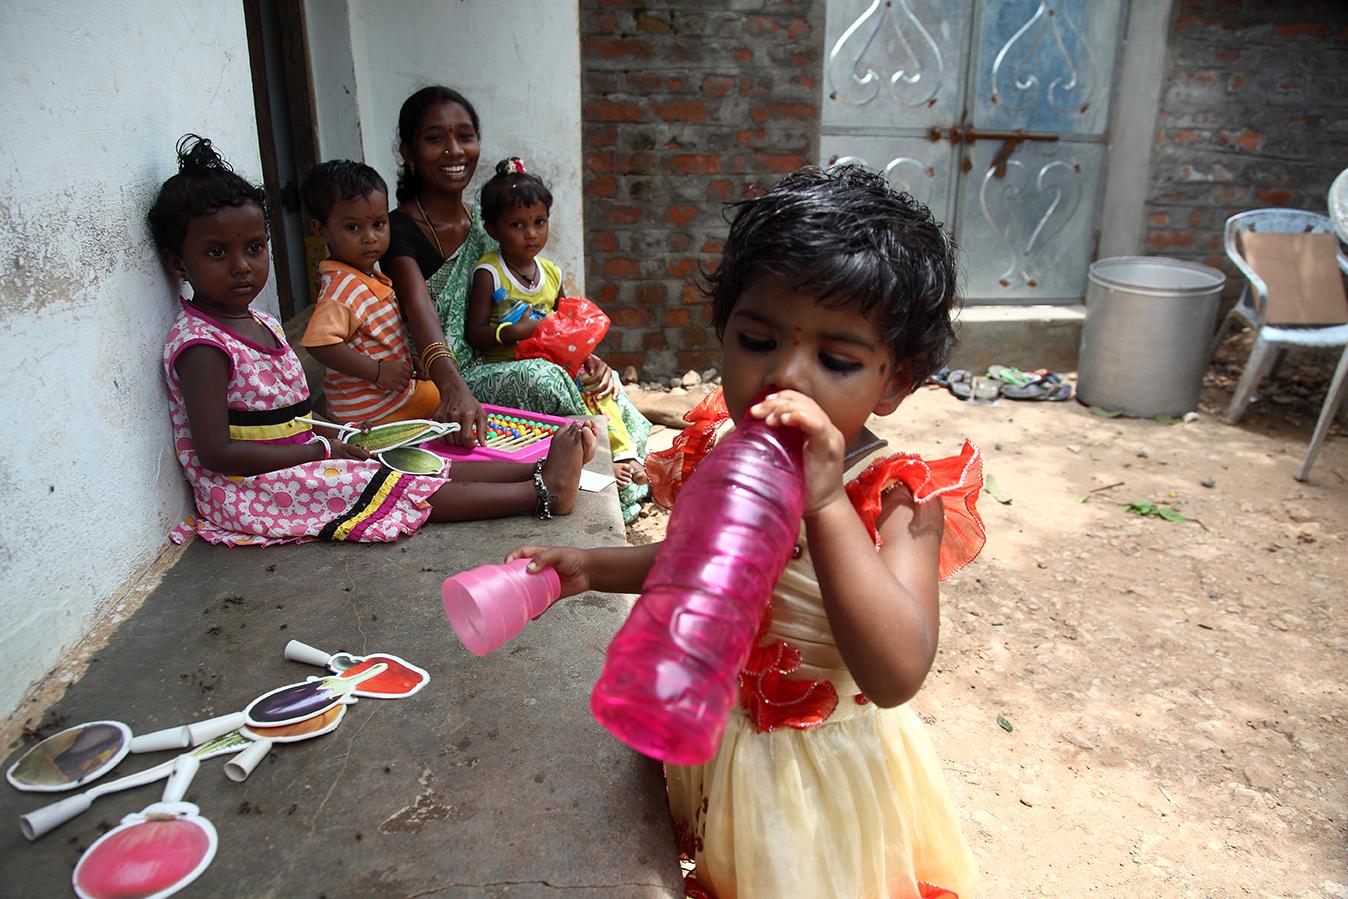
(518, 61)
(333, 76)
(95, 94)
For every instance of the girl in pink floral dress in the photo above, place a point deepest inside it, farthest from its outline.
(260, 475)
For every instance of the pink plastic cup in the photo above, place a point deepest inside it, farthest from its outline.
(490, 605)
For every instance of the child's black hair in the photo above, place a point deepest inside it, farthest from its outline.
(510, 188)
(204, 183)
(338, 179)
(409, 117)
(849, 238)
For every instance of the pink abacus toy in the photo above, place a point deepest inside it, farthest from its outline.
(513, 435)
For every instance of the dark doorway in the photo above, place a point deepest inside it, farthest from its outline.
(283, 97)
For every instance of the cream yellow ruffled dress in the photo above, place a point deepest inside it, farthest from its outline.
(815, 792)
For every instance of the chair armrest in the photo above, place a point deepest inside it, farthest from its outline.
(1258, 289)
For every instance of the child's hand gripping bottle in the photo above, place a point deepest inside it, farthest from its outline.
(670, 674)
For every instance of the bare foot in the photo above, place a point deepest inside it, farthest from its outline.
(629, 471)
(590, 437)
(561, 469)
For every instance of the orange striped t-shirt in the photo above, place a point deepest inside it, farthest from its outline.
(360, 310)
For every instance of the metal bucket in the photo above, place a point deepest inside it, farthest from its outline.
(1148, 323)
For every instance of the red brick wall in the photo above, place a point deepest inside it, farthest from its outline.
(687, 105)
(1254, 113)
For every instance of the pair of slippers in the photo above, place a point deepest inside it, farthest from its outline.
(1004, 381)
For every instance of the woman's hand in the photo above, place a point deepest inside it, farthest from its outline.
(458, 404)
(596, 379)
(569, 562)
(824, 444)
(393, 374)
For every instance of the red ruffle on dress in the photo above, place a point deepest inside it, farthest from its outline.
(956, 479)
(814, 791)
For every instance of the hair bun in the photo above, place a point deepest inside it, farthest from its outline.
(196, 155)
(512, 166)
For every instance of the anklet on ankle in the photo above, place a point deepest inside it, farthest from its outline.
(545, 496)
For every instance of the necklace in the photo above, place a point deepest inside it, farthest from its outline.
(868, 445)
(431, 228)
(528, 282)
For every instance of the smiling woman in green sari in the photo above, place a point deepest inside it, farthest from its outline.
(435, 243)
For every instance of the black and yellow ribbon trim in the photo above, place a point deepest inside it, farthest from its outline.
(383, 482)
(268, 424)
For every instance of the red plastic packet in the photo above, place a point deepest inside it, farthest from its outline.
(568, 336)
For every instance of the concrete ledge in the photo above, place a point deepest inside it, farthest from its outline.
(493, 780)
(1027, 337)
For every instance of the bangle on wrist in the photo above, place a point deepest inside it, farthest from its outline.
(324, 444)
(434, 358)
(499, 328)
(378, 370)
(435, 351)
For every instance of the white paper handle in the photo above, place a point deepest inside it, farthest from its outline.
(296, 651)
(238, 768)
(49, 817)
(214, 727)
(184, 769)
(168, 738)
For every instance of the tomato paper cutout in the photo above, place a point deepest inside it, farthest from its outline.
(149, 855)
(401, 680)
(71, 758)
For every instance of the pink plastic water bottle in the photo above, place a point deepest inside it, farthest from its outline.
(669, 678)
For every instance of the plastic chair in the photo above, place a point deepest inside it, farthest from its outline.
(1270, 341)
(1338, 212)
(1327, 411)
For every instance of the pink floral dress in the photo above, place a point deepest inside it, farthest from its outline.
(335, 499)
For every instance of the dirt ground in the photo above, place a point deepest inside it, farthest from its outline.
(1175, 690)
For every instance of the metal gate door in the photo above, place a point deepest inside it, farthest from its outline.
(993, 113)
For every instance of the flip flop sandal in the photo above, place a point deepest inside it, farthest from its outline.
(1013, 376)
(964, 385)
(1047, 388)
(986, 390)
(941, 377)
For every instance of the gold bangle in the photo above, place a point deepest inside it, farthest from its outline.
(434, 358)
(429, 350)
(499, 328)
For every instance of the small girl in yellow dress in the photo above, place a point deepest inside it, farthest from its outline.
(514, 288)
(835, 293)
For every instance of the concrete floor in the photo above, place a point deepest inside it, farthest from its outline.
(494, 780)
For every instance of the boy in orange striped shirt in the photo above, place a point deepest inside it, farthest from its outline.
(357, 330)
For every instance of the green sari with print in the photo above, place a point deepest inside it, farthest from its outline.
(533, 384)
